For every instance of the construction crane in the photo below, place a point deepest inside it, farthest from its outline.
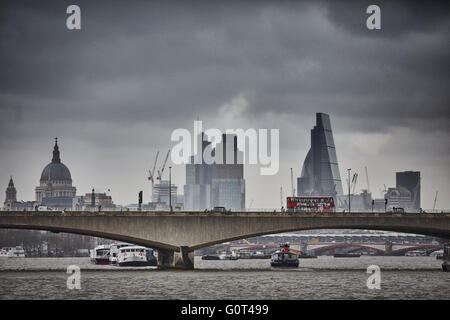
(292, 183)
(355, 177)
(251, 202)
(160, 172)
(281, 196)
(435, 198)
(151, 173)
(383, 191)
(367, 179)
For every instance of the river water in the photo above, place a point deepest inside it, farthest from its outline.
(322, 278)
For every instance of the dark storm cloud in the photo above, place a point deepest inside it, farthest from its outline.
(166, 59)
(398, 17)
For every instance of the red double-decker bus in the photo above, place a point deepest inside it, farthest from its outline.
(311, 204)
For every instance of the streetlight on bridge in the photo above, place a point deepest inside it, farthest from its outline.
(349, 190)
(170, 188)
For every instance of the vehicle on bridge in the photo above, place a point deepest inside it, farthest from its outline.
(311, 204)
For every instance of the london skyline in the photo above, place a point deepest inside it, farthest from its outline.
(114, 91)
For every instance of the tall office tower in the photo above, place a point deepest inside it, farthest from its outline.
(227, 179)
(409, 181)
(197, 190)
(218, 184)
(320, 173)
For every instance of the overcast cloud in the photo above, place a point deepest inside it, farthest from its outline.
(115, 90)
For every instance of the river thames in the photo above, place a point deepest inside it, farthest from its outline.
(322, 278)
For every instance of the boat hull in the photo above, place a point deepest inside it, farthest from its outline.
(210, 257)
(138, 264)
(284, 264)
(346, 255)
(446, 266)
(102, 261)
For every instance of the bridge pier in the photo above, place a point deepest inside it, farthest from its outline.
(170, 259)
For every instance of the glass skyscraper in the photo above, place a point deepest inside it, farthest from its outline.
(320, 173)
(215, 185)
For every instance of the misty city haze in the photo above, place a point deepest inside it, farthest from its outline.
(114, 91)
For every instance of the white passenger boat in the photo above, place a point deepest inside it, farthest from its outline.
(12, 252)
(136, 256)
(114, 252)
(100, 254)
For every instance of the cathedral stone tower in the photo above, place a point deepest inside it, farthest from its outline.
(11, 193)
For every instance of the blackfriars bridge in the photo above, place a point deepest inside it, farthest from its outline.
(176, 235)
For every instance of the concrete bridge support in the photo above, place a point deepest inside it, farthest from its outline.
(171, 259)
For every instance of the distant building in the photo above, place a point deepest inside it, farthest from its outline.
(11, 203)
(97, 201)
(320, 173)
(216, 185)
(160, 192)
(405, 195)
(11, 194)
(408, 182)
(55, 190)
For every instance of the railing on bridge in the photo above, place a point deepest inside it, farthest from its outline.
(252, 211)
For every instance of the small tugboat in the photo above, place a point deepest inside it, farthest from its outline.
(284, 257)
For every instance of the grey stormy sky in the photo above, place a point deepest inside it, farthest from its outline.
(114, 91)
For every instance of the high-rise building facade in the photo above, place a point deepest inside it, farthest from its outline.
(409, 182)
(320, 173)
(217, 184)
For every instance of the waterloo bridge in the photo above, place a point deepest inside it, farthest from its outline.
(175, 235)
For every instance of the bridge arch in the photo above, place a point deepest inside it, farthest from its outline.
(111, 236)
(191, 231)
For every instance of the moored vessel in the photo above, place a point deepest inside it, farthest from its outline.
(114, 252)
(346, 255)
(100, 254)
(210, 257)
(12, 252)
(416, 253)
(136, 256)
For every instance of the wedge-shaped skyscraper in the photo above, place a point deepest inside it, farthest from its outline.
(320, 173)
